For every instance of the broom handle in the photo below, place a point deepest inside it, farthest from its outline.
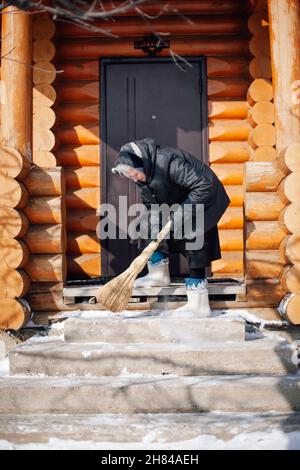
(149, 250)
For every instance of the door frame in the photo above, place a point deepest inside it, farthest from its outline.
(103, 62)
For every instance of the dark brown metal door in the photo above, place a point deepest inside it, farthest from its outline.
(148, 98)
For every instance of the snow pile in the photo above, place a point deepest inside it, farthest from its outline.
(274, 440)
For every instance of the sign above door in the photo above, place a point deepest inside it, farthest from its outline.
(152, 45)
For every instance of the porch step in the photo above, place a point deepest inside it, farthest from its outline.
(54, 357)
(141, 430)
(151, 327)
(149, 394)
(217, 287)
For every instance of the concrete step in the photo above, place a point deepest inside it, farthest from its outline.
(142, 430)
(149, 394)
(54, 357)
(148, 327)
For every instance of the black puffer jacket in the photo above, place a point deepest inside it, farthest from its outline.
(176, 176)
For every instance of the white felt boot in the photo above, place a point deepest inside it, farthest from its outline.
(197, 303)
(158, 276)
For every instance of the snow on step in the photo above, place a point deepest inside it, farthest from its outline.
(56, 358)
(149, 394)
(145, 327)
(140, 429)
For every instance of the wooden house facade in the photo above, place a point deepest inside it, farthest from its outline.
(54, 154)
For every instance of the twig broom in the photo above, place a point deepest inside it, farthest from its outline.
(116, 293)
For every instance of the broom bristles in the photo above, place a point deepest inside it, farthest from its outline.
(116, 293)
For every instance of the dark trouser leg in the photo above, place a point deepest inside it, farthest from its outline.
(197, 273)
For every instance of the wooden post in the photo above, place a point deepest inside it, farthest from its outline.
(284, 18)
(16, 152)
(16, 81)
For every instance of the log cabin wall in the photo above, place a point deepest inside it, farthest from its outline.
(45, 210)
(216, 31)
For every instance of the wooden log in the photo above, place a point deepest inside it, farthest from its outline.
(43, 140)
(261, 5)
(14, 253)
(198, 25)
(269, 210)
(43, 118)
(258, 22)
(85, 69)
(264, 292)
(82, 177)
(45, 210)
(12, 193)
(227, 87)
(229, 173)
(78, 134)
(290, 249)
(43, 72)
(212, 46)
(78, 90)
(44, 95)
(13, 163)
(83, 243)
(75, 112)
(284, 19)
(13, 223)
(14, 314)
(261, 113)
(82, 221)
(227, 66)
(79, 70)
(280, 163)
(263, 263)
(45, 296)
(265, 153)
(236, 195)
(232, 219)
(231, 240)
(13, 282)
(229, 152)
(86, 198)
(289, 218)
(290, 278)
(263, 134)
(260, 67)
(46, 239)
(260, 90)
(292, 157)
(220, 129)
(231, 262)
(46, 268)
(227, 109)
(83, 155)
(82, 266)
(43, 49)
(258, 235)
(289, 188)
(43, 28)
(44, 159)
(260, 44)
(262, 176)
(177, 6)
(45, 182)
(292, 312)
(16, 80)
